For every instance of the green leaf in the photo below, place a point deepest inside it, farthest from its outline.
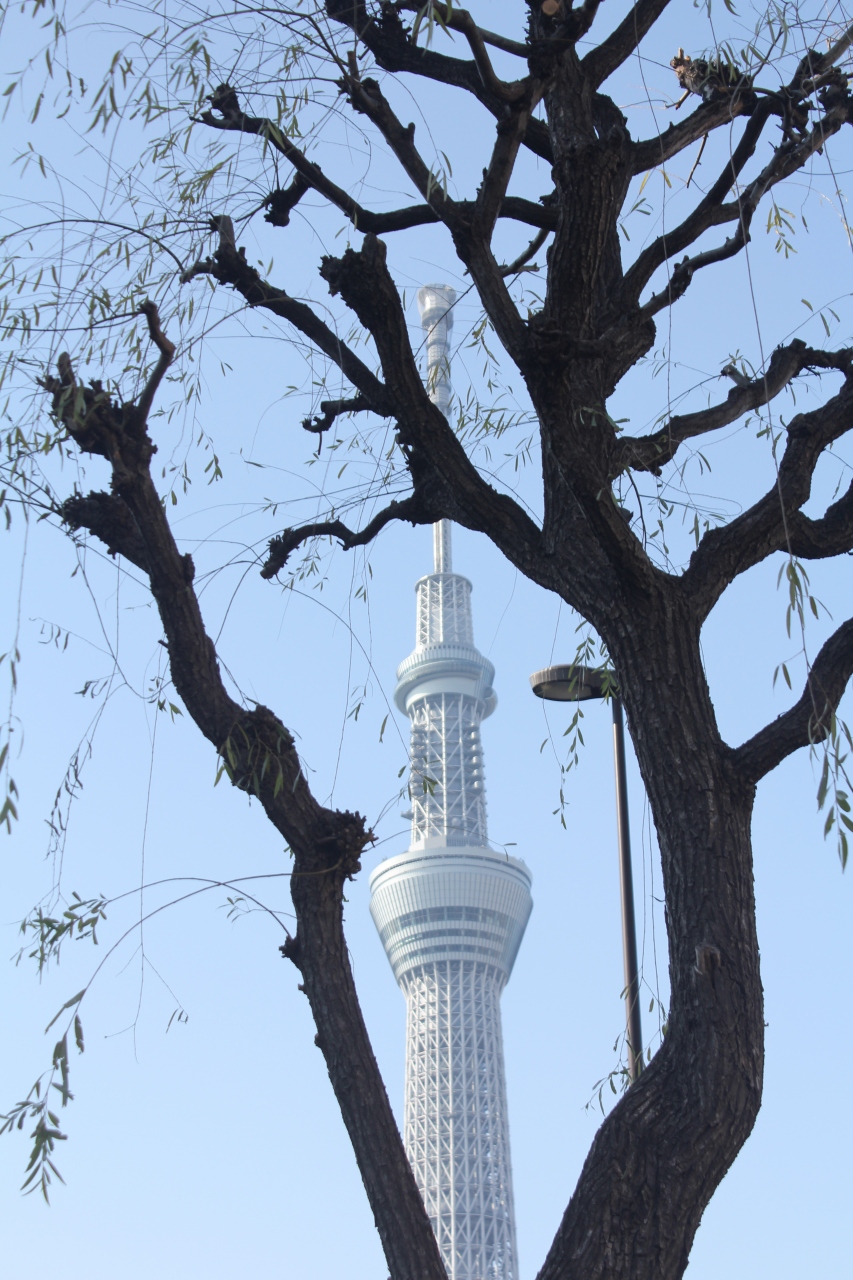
(69, 1004)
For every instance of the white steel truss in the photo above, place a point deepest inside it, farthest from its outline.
(444, 601)
(451, 913)
(447, 783)
(456, 1125)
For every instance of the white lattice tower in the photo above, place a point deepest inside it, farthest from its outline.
(451, 913)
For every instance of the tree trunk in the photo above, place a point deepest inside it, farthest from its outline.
(660, 1155)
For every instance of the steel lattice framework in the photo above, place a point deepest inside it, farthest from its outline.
(451, 912)
(459, 1150)
(447, 786)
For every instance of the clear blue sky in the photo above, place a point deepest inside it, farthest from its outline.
(217, 1148)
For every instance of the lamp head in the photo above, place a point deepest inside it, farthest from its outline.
(571, 683)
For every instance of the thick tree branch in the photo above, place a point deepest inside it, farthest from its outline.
(110, 520)
(229, 266)
(388, 40)
(682, 274)
(831, 535)
(492, 193)
(232, 118)
(810, 719)
(260, 756)
(309, 176)
(458, 20)
(652, 452)
(621, 43)
(167, 355)
(580, 20)
(651, 152)
(787, 160)
(512, 331)
(725, 553)
(524, 257)
(543, 214)
(330, 411)
(815, 64)
(727, 93)
(413, 509)
(706, 214)
(471, 235)
(367, 98)
(279, 204)
(461, 20)
(444, 477)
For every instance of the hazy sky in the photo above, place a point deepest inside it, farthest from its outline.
(216, 1148)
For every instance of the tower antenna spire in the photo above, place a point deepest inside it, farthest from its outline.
(435, 303)
(441, 547)
(451, 912)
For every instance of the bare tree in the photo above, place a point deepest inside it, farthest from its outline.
(660, 1154)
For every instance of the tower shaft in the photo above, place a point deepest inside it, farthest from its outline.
(451, 912)
(456, 1111)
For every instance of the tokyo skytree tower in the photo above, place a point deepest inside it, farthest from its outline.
(451, 912)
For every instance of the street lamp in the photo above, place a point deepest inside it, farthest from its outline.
(578, 684)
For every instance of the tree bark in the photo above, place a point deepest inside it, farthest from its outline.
(661, 1153)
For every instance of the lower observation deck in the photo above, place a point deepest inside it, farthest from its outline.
(440, 904)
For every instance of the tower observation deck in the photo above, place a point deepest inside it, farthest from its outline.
(451, 912)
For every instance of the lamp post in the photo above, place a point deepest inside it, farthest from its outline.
(579, 684)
